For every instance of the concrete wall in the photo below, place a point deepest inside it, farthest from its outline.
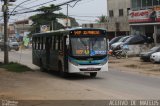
(115, 5)
(95, 25)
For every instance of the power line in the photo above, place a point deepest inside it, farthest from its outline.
(84, 16)
(22, 7)
(19, 5)
(61, 4)
(37, 5)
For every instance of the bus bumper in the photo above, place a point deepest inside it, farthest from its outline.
(87, 68)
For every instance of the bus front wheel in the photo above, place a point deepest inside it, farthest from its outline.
(61, 71)
(93, 74)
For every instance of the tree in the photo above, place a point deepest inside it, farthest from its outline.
(102, 19)
(47, 16)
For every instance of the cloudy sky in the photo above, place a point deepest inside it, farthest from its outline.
(84, 11)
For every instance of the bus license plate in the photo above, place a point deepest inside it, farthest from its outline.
(91, 69)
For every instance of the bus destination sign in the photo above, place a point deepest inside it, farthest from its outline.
(84, 32)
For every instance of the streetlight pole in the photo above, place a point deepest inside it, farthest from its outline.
(6, 59)
(67, 16)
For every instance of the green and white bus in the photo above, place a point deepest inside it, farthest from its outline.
(71, 51)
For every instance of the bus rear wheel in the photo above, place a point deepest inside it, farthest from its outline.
(42, 67)
(93, 74)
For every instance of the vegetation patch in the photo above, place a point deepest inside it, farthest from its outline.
(15, 67)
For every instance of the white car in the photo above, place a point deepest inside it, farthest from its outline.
(155, 57)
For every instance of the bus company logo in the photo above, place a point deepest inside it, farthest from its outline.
(9, 103)
(90, 60)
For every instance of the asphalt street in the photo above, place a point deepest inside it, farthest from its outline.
(115, 83)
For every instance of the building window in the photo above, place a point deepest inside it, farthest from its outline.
(120, 12)
(128, 11)
(142, 4)
(134, 4)
(155, 2)
(149, 3)
(91, 25)
(111, 14)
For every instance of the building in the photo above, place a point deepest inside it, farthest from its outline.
(144, 18)
(11, 30)
(117, 23)
(118, 11)
(22, 26)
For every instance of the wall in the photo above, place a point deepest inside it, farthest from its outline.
(115, 5)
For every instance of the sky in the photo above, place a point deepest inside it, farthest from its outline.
(85, 11)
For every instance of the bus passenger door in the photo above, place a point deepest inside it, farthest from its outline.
(65, 51)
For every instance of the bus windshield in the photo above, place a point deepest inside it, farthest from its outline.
(87, 46)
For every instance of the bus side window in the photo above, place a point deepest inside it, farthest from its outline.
(42, 43)
(56, 46)
(58, 42)
(53, 43)
(50, 43)
(38, 43)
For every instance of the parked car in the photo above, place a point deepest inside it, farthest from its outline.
(116, 46)
(12, 44)
(155, 57)
(135, 39)
(114, 40)
(145, 56)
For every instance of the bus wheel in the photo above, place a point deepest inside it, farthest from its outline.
(93, 74)
(61, 72)
(42, 67)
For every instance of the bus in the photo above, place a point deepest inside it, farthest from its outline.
(79, 50)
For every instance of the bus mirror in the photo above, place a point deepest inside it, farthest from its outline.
(67, 41)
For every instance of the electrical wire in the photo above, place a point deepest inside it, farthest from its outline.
(37, 5)
(61, 4)
(84, 16)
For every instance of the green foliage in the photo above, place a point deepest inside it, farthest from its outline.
(15, 67)
(47, 16)
(102, 19)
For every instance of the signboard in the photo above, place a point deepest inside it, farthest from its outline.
(140, 16)
(64, 21)
(45, 28)
(149, 15)
(87, 32)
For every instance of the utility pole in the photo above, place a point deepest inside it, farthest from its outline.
(5, 13)
(67, 16)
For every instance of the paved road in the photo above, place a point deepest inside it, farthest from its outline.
(116, 84)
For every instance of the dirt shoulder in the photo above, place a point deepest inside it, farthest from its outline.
(134, 64)
(43, 86)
